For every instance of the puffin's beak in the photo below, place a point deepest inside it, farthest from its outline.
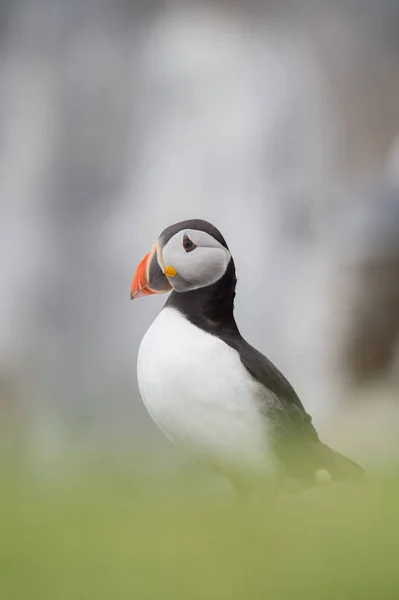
(150, 275)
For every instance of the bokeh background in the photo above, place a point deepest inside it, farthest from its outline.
(276, 121)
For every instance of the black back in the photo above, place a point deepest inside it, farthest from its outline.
(212, 309)
(296, 442)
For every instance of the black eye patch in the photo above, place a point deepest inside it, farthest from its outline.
(188, 244)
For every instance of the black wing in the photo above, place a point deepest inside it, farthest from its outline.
(288, 409)
(296, 442)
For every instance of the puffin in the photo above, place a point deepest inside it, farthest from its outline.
(208, 390)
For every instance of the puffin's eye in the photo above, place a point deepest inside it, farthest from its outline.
(188, 244)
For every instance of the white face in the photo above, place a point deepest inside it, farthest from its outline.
(198, 259)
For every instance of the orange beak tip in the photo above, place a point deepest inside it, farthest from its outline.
(142, 284)
(140, 280)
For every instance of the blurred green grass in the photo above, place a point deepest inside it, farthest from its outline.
(103, 534)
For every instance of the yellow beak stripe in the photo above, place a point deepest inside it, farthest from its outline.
(170, 271)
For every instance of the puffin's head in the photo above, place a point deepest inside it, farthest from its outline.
(187, 256)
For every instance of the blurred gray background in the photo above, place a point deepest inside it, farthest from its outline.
(278, 122)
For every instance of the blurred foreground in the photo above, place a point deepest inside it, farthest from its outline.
(99, 533)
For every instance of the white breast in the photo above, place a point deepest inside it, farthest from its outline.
(201, 396)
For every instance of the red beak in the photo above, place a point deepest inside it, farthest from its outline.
(139, 286)
(149, 277)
